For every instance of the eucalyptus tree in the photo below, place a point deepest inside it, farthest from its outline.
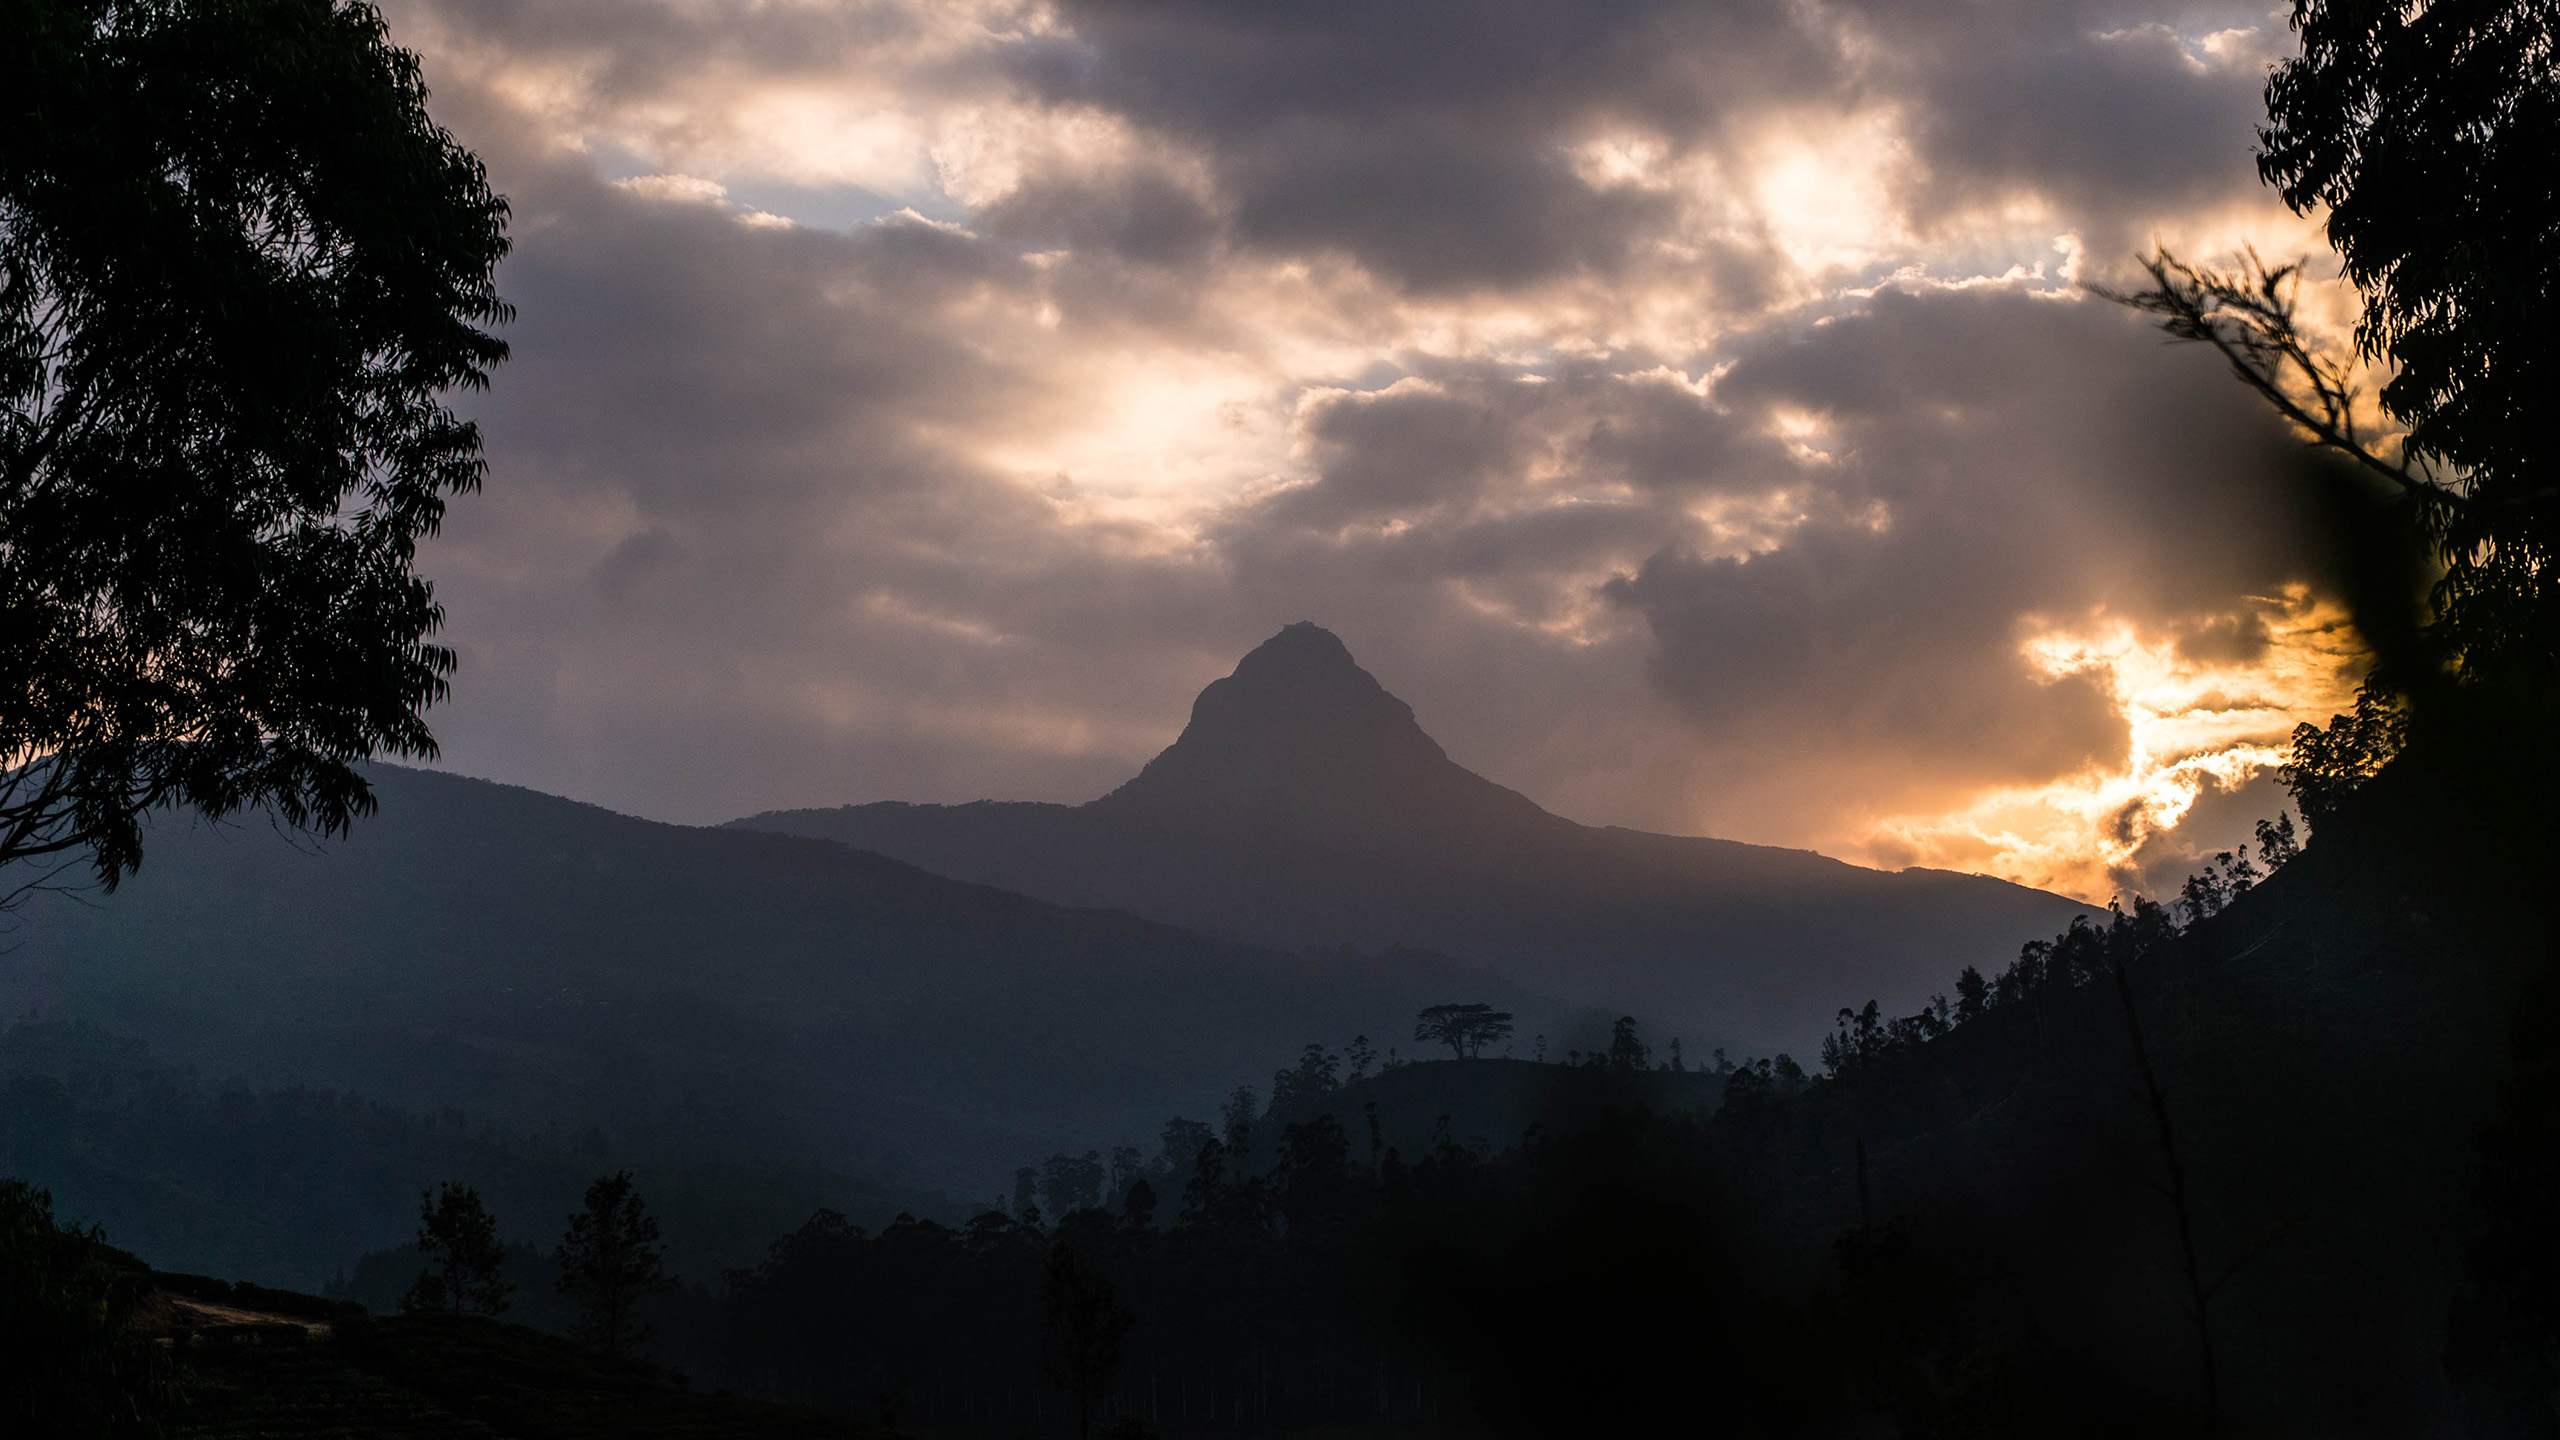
(242, 275)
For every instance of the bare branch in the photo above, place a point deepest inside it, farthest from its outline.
(2248, 317)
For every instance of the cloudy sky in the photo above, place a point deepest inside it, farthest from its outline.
(1689, 407)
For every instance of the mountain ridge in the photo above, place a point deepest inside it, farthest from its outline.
(1304, 806)
(531, 959)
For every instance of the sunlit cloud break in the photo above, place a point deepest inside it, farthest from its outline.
(2211, 708)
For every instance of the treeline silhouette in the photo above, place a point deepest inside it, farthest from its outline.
(2199, 1165)
(2194, 1166)
(289, 1185)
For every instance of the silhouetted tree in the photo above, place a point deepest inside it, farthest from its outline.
(1204, 1195)
(2277, 843)
(1238, 1114)
(1857, 1037)
(1313, 1075)
(1361, 1055)
(241, 272)
(1183, 1140)
(2225, 878)
(2424, 136)
(1080, 1345)
(1315, 1175)
(1626, 1050)
(453, 1225)
(1465, 1029)
(1069, 1183)
(1973, 994)
(2328, 764)
(610, 1260)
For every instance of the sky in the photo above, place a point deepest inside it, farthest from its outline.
(1693, 409)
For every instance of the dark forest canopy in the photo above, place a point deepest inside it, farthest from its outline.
(1944, 1231)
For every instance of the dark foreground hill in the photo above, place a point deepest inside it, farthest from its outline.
(528, 960)
(1304, 807)
(293, 1185)
(1961, 1229)
(449, 1377)
(1970, 1226)
(1489, 1105)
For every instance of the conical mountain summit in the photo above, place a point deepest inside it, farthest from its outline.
(1305, 806)
(1301, 739)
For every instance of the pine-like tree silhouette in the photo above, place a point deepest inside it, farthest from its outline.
(611, 1260)
(460, 1235)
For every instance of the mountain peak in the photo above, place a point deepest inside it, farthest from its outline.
(1304, 679)
(1302, 736)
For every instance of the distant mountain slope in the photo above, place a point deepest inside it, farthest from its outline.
(522, 957)
(1305, 807)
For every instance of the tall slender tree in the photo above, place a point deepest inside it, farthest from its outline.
(611, 1260)
(457, 1233)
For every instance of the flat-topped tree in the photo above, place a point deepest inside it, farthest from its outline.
(1465, 1029)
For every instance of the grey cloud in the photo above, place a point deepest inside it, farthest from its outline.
(1139, 215)
(2101, 109)
(641, 52)
(1474, 434)
(1400, 451)
(1438, 212)
(1425, 139)
(2033, 459)
(733, 552)
(1995, 458)
(737, 553)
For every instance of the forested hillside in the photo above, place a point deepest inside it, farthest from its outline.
(1992, 1218)
(530, 961)
(289, 1187)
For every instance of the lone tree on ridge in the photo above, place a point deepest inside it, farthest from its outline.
(1465, 1029)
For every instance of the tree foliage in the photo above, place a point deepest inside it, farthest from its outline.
(1465, 1029)
(460, 1234)
(241, 271)
(2425, 133)
(610, 1260)
(2329, 763)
